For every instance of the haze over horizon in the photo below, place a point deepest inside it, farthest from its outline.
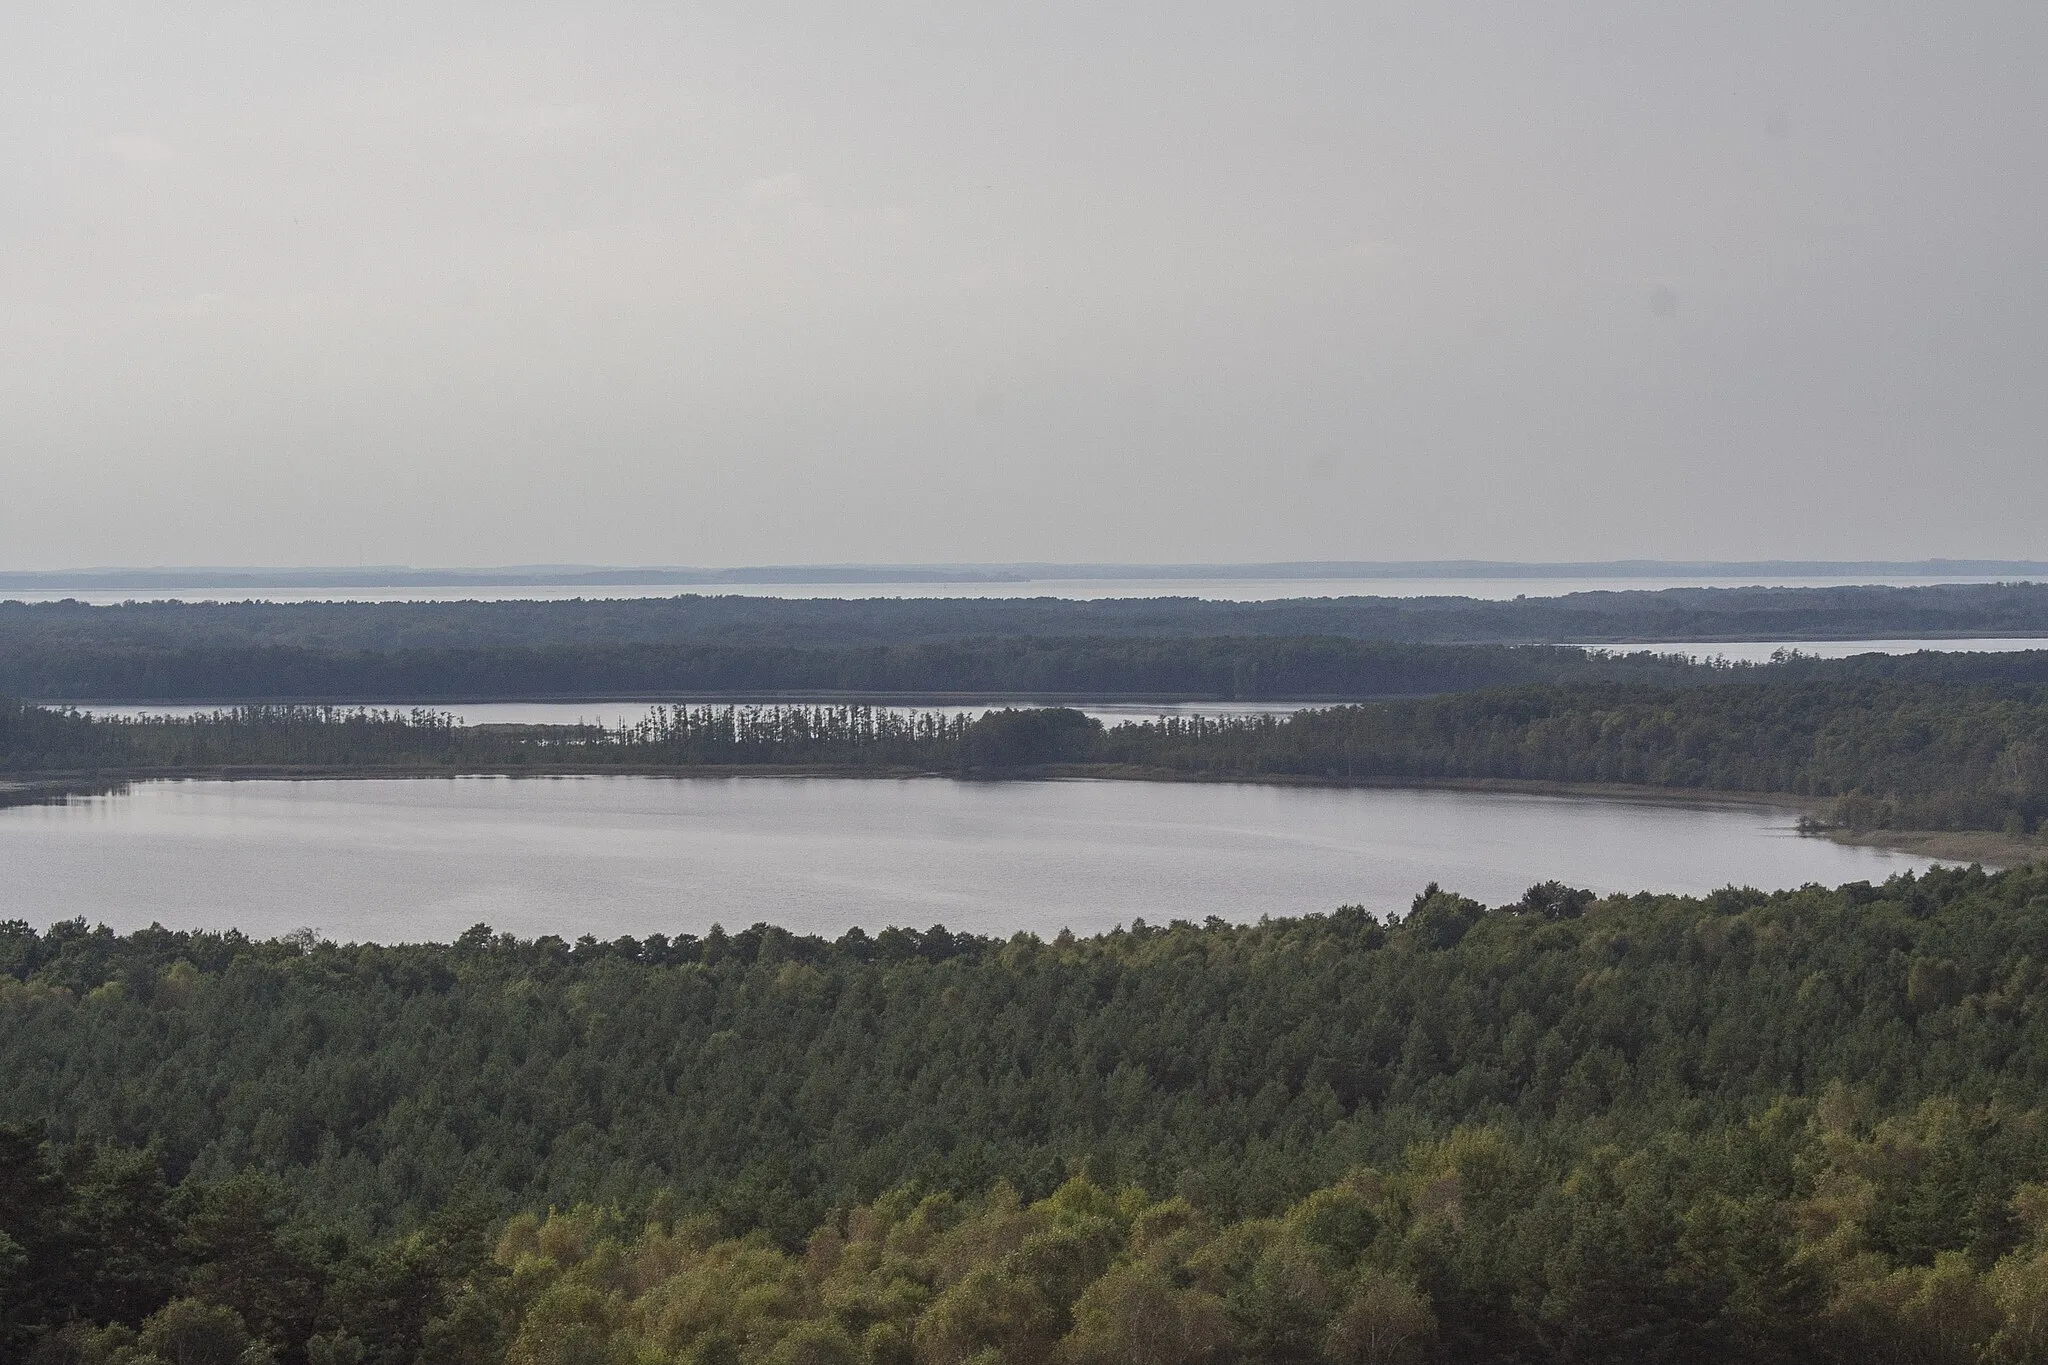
(963, 572)
(975, 284)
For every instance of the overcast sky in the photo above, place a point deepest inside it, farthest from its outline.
(455, 283)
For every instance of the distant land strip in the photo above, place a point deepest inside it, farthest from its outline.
(50, 630)
(1231, 669)
(202, 577)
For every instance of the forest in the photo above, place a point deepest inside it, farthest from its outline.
(1249, 669)
(1884, 754)
(1337, 649)
(1798, 1126)
(38, 629)
(1252, 668)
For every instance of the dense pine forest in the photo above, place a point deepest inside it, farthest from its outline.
(1313, 649)
(1800, 1126)
(1880, 754)
(1891, 755)
(1292, 668)
(1287, 668)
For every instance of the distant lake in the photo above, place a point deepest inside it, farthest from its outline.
(614, 712)
(1760, 651)
(1079, 589)
(417, 859)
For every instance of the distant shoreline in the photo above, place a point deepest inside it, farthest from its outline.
(186, 578)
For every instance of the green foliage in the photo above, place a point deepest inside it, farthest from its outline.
(1012, 738)
(768, 1077)
(1898, 755)
(1806, 1126)
(1736, 1242)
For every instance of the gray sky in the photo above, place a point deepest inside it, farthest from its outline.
(489, 283)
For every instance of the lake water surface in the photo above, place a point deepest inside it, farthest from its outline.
(1761, 651)
(409, 860)
(618, 712)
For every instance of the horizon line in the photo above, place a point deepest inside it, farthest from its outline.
(515, 575)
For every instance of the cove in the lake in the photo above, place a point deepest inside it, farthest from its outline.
(418, 859)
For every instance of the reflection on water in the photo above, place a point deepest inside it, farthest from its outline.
(426, 858)
(616, 713)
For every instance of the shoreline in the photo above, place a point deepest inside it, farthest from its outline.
(1986, 847)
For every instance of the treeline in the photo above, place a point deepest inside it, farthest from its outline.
(1895, 755)
(1789, 1127)
(40, 740)
(1280, 668)
(54, 628)
(1888, 754)
(1245, 669)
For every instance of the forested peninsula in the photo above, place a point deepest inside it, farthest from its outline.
(1873, 754)
(1804, 1126)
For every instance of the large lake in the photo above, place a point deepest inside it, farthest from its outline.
(417, 859)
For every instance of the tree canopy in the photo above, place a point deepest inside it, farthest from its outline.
(1799, 1126)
